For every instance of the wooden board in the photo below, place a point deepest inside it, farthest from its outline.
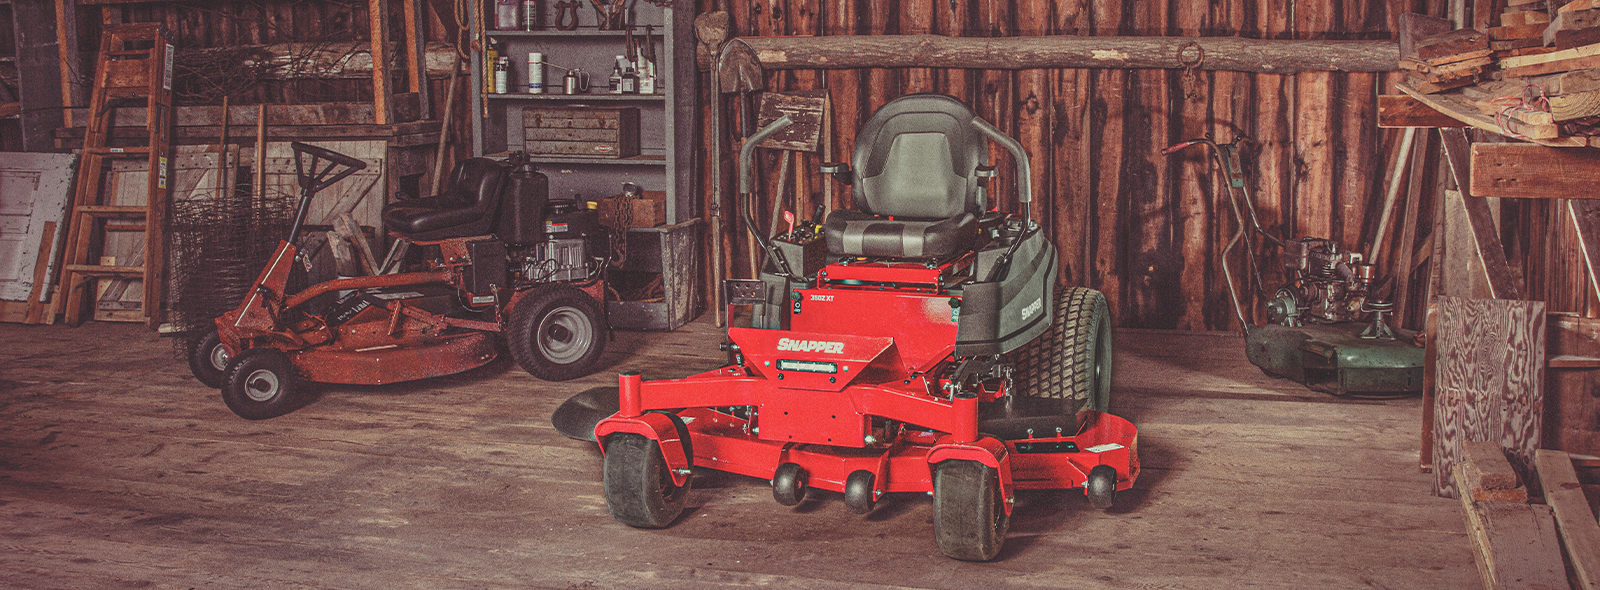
(1489, 382)
(1463, 110)
(1579, 530)
(1572, 410)
(360, 195)
(1399, 110)
(34, 189)
(1529, 171)
(1515, 544)
(1515, 62)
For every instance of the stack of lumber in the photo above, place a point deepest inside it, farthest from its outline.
(1515, 543)
(1438, 61)
(1536, 76)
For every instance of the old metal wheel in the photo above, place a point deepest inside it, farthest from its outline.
(260, 384)
(969, 519)
(638, 484)
(556, 334)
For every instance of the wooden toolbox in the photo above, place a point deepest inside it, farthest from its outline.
(648, 210)
(578, 131)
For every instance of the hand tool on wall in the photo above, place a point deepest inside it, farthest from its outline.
(738, 70)
(711, 29)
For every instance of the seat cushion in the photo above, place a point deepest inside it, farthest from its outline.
(852, 233)
(411, 217)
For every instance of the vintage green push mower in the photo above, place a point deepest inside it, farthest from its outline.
(1327, 326)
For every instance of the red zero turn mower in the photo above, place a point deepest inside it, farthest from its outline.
(915, 345)
(508, 262)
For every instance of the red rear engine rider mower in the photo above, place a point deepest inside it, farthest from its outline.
(915, 345)
(509, 262)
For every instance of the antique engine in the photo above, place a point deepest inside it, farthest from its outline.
(1326, 284)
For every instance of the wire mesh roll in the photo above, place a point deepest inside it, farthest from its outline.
(219, 246)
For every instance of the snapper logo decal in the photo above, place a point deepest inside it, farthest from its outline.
(1032, 308)
(822, 346)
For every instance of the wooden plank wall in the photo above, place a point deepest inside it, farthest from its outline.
(1144, 228)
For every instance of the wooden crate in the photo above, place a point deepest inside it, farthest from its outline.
(649, 210)
(591, 132)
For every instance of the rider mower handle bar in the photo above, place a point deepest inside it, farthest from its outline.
(319, 178)
(746, 157)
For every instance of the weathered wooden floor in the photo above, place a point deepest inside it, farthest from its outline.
(119, 470)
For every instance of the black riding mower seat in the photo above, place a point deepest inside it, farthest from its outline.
(918, 171)
(467, 207)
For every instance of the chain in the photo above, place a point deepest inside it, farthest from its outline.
(1191, 67)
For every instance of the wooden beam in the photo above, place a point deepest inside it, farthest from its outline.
(1399, 110)
(1504, 281)
(1529, 171)
(1268, 56)
(1488, 475)
(1586, 221)
(1564, 494)
(1515, 544)
(378, 22)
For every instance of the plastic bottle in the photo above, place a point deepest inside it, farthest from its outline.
(616, 76)
(530, 16)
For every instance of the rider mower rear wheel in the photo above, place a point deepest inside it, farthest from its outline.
(556, 333)
(969, 519)
(208, 360)
(260, 384)
(638, 484)
(1072, 359)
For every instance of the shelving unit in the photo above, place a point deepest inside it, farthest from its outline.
(667, 122)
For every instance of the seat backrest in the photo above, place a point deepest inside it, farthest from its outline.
(476, 181)
(917, 157)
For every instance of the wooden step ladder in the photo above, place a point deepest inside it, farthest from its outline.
(134, 68)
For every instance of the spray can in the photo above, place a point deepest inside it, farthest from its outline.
(536, 73)
(502, 75)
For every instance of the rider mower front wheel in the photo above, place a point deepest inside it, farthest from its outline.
(638, 483)
(556, 333)
(969, 517)
(208, 360)
(1072, 359)
(260, 384)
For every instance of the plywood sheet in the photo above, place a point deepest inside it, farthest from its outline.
(1489, 380)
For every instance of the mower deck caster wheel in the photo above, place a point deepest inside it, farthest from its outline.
(789, 484)
(858, 492)
(260, 384)
(638, 484)
(969, 516)
(208, 360)
(1101, 487)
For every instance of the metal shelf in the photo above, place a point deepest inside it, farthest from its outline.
(579, 97)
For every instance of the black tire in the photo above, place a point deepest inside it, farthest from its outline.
(639, 488)
(208, 360)
(1072, 359)
(969, 520)
(858, 497)
(789, 484)
(556, 334)
(260, 384)
(1101, 487)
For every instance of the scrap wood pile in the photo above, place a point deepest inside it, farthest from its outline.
(1521, 544)
(1537, 74)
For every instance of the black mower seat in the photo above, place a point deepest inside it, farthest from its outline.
(916, 172)
(466, 208)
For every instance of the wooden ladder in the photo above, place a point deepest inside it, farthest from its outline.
(134, 67)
